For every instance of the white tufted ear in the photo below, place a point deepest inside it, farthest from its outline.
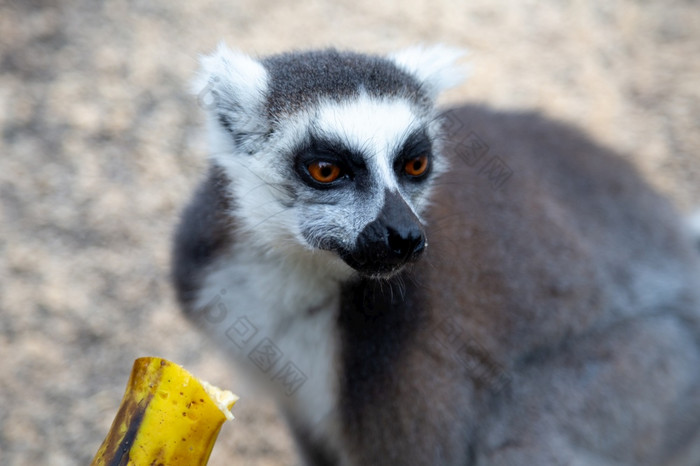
(435, 66)
(231, 86)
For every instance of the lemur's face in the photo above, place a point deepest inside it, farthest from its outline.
(361, 174)
(330, 153)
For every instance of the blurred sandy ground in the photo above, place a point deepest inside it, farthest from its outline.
(101, 146)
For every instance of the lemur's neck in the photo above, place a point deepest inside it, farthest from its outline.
(296, 281)
(277, 314)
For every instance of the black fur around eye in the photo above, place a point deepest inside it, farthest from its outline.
(326, 164)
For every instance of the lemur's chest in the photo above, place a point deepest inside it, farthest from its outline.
(280, 324)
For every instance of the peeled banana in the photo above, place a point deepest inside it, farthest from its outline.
(167, 417)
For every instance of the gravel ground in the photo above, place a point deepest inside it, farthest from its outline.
(101, 145)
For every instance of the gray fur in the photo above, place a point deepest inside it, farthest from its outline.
(575, 294)
(554, 319)
(298, 80)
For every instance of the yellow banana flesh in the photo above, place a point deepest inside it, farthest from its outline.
(167, 417)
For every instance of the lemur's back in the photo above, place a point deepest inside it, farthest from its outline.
(563, 289)
(542, 309)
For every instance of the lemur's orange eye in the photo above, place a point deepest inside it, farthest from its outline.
(416, 166)
(324, 172)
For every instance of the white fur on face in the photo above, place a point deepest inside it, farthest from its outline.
(376, 128)
(282, 214)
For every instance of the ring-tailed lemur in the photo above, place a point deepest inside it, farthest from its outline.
(473, 288)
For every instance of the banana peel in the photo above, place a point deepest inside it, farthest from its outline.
(167, 417)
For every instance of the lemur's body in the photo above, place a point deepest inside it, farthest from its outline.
(554, 320)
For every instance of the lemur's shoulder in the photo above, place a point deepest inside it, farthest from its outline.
(205, 233)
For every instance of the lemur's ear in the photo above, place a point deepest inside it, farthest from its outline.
(231, 86)
(435, 66)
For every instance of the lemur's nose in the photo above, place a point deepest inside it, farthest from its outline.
(405, 242)
(393, 239)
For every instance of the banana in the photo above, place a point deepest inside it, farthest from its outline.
(167, 417)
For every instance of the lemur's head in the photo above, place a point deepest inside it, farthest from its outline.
(330, 153)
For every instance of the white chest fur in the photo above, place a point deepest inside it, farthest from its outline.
(277, 318)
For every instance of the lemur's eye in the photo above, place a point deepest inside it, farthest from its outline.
(416, 166)
(324, 172)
